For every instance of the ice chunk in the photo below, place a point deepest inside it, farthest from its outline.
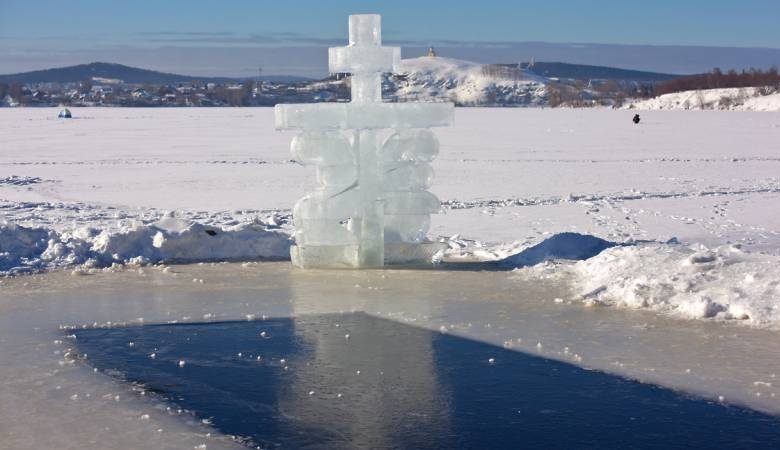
(366, 88)
(324, 256)
(407, 176)
(411, 145)
(365, 29)
(363, 59)
(411, 203)
(320, 204)
(318, 147)
(337, 178)
(406, 227)
(326, 232)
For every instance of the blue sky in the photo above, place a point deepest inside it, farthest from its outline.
(36, 34)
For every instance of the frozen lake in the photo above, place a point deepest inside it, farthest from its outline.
(55, 392)
(78, 195)
(510, 175)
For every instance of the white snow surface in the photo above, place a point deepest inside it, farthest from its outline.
(119, 185)
(171, 240)
(689, 282)
(465, 83)
(735, 99)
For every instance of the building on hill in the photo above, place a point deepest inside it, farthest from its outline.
(431, 52)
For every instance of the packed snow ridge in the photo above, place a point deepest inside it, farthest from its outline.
(684, 281)
(26, 249)
(723, 283)
(734, 99)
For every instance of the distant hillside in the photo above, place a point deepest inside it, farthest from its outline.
(466, 83)
(584, 72)
(127, 74)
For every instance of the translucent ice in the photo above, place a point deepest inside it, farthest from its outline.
(373, 164)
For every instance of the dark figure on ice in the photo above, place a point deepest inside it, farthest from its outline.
(636, 119)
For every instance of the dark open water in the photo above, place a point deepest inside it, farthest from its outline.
(391, 385)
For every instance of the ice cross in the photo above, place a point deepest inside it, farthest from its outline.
(364, 58)
(372, 206)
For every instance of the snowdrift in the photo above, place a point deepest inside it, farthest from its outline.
(24, 249)
(571, 246)
(733, 99)
(690, 282)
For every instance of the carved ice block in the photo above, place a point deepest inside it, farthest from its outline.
(371, 206)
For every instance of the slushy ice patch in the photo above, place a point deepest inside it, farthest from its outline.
(353, 380)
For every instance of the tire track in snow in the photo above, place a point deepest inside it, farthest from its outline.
(584, 198)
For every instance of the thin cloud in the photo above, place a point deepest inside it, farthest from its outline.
(186, 33)
(203, 37)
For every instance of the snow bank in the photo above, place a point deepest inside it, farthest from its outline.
(734, 99)
(24, 249)
(692, 282)
(572, 246)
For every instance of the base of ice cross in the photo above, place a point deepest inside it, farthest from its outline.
(347, 256)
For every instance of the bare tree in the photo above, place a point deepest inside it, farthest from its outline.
(717, 79)
(85, 86)
(16, 91)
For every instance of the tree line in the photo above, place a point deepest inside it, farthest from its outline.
(717, 79)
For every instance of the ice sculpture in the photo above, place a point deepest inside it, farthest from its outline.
(373, 159)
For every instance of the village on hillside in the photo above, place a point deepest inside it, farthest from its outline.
(427, 78)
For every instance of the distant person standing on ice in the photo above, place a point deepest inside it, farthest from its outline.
(636, 119)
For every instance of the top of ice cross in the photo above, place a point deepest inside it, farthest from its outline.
(366, 60)
(365, 53)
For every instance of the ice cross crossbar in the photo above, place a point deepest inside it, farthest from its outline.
(343, 116)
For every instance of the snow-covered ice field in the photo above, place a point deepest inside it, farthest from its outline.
(505, 174)
(695, 195)
(91, 191)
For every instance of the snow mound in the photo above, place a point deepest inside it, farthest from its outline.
(733, 99)
(692, 282)
(16, 180)
(467, 83)
(24, 249)
(572, 246)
